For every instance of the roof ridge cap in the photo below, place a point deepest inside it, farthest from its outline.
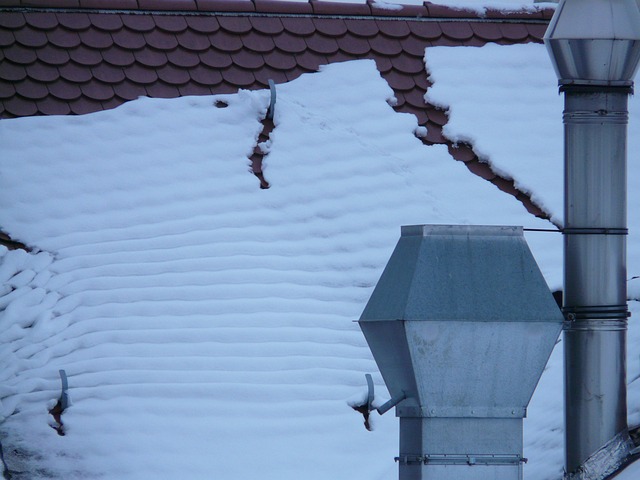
(310, 7)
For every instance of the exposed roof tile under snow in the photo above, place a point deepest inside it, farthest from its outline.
(88, 55)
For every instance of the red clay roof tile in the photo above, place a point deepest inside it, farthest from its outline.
(487, 31)
(52, 55)
(414, 46)
(439, 117)
(258, 42)
(128, 39)
(289, 43)
(75, 73)
(415, 97)
(247, 59)
(96, 39)
(162, 90)
(537, 31)
(383, 63)
(128, 90)
(19, 54)
(310, 61)
(20, 107)
(235, 24)
(506, 185)
(299, 25)
(363, 27)
(118, 56)
(74, 21)
(295, 73)
(409, 64)
(53, 106)
(109, 23)
(139, 23)
(31, 89)
(354, 45)
(280, 61)
(267, 73)
(139, 74)
(111, 103)
(84, 105)
(321, 44)
(108, 74)
(203, 24)
(398, 81)
(30, 37)
(7, 90)
(421, 81)
(150, 58)
(420, 113)
(226, 41)
(42, 72)
(462, 152)
(12, 72)
(12, 20)
(97, 90)
(64, 90)
(64, 38)
(238, 76)
(161, 40)
(395, 29)
(85, 56)
(385, 46)
(481, 169)
(267, 25)
(514, 31)
(171, 23)
(193, 41)
(425, 30)
(332, 27)
(205, 75)
(215, 58)
(457, 30)
(6, 38)
(181, 57)
(41, 20)
(434, 133)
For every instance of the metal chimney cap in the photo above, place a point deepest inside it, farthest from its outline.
(595, 42)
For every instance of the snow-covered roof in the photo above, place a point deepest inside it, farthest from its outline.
(205, 324)
(67, 60)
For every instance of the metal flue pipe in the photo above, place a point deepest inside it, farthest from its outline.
(595, 47)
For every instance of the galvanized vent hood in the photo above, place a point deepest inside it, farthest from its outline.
(461, 322)
(595, 41)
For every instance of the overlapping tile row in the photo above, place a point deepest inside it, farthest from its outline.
(68, 62)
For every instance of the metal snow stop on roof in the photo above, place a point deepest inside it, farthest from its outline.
(461, 325)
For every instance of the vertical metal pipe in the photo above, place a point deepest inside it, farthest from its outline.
(595, 296)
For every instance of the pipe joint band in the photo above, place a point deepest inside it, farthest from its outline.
(625, 86)
(429, 459)
(598, 317)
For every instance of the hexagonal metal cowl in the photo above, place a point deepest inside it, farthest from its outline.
(595, 42)
(461, 322)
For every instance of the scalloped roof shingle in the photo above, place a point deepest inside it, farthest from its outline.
(60, 57)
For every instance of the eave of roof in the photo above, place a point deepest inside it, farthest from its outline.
(60, 57)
